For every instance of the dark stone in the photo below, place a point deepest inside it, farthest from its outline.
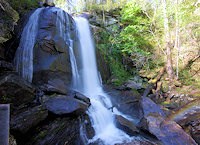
(139, 142)
(148, 106)
(62, 131)
(28, 119)
(126, 125)
(61, 104)
(15, 90)
(6, 66)
(167, 131)
(81, 97)
(52, 81)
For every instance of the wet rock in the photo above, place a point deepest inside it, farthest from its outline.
(62, 131)
(15, 90)
(52, 81)
(8, 18)
(139, 142)
(53, 88)
(61, 104)
(102, 59)
(51, 52)
(81, 97)
(126, 125)
(167, 131)
(148, 106)
(28, 119)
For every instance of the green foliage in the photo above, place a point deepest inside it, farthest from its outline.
(23, 6)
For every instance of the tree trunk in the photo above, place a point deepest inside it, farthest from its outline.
(177, 41)
(167, 43)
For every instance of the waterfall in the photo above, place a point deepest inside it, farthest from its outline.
(102, 118)
(63, 27)
(24, 54)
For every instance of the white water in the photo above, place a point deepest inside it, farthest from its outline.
(24, 54)
(63, 28)
(101, 117)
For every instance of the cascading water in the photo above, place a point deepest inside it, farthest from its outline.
(63, 28)
(101, 117)
(24, 54)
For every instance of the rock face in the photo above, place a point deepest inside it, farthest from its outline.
(8, 18)
(28, 119)
(61, 131)
(167, 131)
(148, 106)
(61, 104)
(51, 52)
(102, 60)
(15, 90)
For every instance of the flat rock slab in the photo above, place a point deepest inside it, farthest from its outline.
(61, 104)
(167, 131)
(28, 119)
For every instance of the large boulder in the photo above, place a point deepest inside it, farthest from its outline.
(148, 106)
(28, 119)
(167, 131)
(61, 104)
(51, 52)
(15, 90)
